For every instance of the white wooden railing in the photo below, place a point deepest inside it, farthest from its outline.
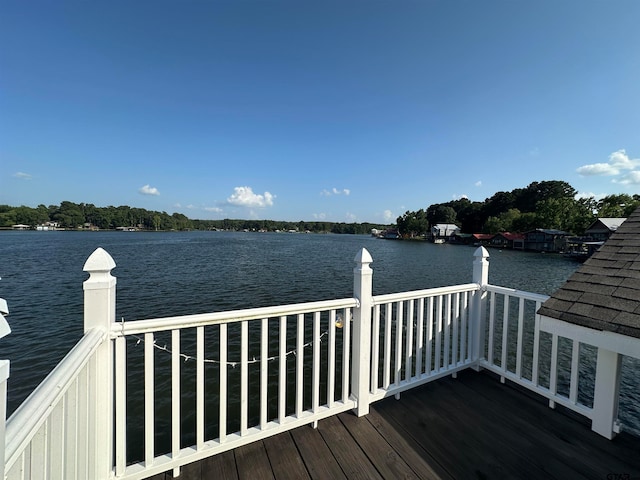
(288, 379)
(420, 336)
(570, 365)
(518, 350)
(49, 435)
(136, 398)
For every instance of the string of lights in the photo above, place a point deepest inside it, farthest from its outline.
(188, 358)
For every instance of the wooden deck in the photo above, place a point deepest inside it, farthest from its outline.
(464, 428)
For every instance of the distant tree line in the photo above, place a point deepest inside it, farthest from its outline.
(547, 204)
(275, 225)
(69, 215)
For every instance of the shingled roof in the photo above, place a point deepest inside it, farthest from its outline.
(604, 293)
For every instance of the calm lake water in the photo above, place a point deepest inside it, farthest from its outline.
(163, 274)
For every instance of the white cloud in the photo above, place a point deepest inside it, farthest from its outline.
(213, 209)
(22, 176)
(618, 162)
(351, 217)
(244, 197)
(478, 183)
(319, 216)
(460, 197)
(148, 190)
(631, 178)
(335, 191)
(388, 215)
(597, 169)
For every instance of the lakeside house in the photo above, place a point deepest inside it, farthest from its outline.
(444, 231)
(602, 228)
(48, 226)
(390, 234)
(482, 239)
(508, 240)
(538, 240)
(545, 240)
(598, 232)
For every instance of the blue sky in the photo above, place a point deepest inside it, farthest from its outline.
(337, 111)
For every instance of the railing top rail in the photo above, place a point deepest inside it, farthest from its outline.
(536, 297)
(189, 321)
(430, 292)
(25, 421)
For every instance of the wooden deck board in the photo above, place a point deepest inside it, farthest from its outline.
(384, 458)
(564, 446)
(285, 465)
(317, 456)
(460, 450)
(253, 463)
(353, 461)
(563, 434)
(469, 427)
(220, 466)
(421, 461)
(500, 457)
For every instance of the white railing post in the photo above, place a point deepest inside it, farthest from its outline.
(4, 376)
(606, 393)
(361, 356)
(100, 312)
(478, 307)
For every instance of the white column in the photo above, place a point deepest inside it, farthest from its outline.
(361, 353)
(4, 376)
(478, 307)
(99, 312)
(605, 397)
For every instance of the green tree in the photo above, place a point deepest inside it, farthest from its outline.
(69, 215)
(526, 199)
(617, 206)
(7, 216)
(567, 214)
(504, 222)
(469, 215)
(26, 216)
(500, 202)
(441, 213)
(525, 223)
(413, 224)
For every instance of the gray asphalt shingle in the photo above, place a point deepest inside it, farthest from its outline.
(604, 293)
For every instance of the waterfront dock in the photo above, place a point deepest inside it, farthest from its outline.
(455, 428)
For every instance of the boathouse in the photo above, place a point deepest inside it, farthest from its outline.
(602, 228)
(482, 239)
(507, 240)
(545, 240)
(444, 230)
